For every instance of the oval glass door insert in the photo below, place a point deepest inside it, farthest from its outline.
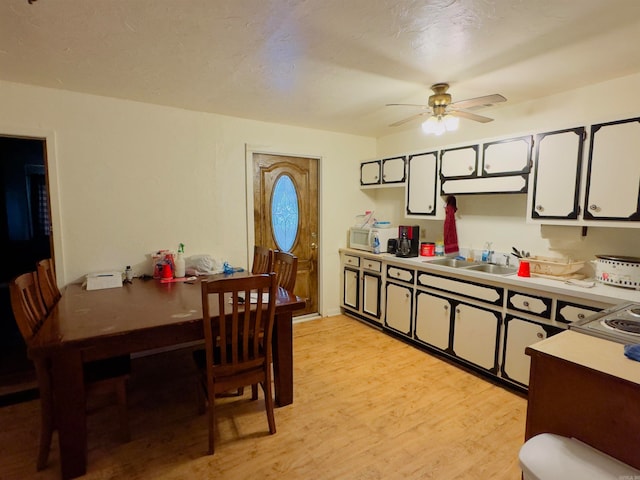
(284, 213)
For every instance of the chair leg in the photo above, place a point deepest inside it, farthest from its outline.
(212, 422)
(254, 391)
(268, 402)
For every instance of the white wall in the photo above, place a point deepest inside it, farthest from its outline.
(129, 178)
(501, 218)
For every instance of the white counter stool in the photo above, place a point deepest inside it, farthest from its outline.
(552, 457)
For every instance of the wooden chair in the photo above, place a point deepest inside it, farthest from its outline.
(262, 260)
(238, 341)
(101, 376)
(286, 267)
(47, 283)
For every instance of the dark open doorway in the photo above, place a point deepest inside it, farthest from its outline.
(25, 232)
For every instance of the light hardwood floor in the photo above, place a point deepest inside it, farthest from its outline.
(366, 406)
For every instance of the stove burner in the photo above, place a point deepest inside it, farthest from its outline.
(635, 311)
(628, 326)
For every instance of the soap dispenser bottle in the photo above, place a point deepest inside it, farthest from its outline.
(486, 253)
(180, 263)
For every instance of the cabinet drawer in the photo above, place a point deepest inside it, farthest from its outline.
(525, 302)
(372, 265)
(352, 260)
(400, 274)
(570, 312)
(478, 291)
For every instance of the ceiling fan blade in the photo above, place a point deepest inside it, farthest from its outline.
(484, 101)
(470, 116)
(408, 119)
(407, 105)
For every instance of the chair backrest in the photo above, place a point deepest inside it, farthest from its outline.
(47, 283)
(26, 303)
(286, 267)
(262, 260)
(246, 326)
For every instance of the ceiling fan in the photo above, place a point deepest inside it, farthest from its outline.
(442, 112)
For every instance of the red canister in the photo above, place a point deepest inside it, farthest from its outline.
(427, 249)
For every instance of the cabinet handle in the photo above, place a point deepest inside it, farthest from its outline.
(458, 311)
(525, 303)
(407, 295)
(593, 207)
(581, 316)
(539, 208)
(487, 167)
(446, 307)
(540, 335)
(470, 168)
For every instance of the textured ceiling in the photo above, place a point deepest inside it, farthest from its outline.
(327, 64)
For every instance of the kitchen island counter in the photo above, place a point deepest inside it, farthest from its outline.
(584, 387)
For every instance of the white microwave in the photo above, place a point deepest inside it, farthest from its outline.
(362, 238)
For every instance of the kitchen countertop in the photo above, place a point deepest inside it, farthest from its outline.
(594, 353)
(598, 293)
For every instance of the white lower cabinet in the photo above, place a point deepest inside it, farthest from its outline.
(361, 287)
(399, 308)
(518, 335)
(371, 294)
(475, 335)
(433, 320)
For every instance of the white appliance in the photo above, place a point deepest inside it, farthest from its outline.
(620, 323)
(362, 238)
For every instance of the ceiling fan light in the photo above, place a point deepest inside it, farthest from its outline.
(451, 123)
(439, 127)
(430, 125)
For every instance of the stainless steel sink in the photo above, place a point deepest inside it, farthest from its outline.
(494, 269)
(451, 262)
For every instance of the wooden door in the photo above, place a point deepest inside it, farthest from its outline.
(299, 214)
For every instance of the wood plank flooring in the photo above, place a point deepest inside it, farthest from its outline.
(366, 407)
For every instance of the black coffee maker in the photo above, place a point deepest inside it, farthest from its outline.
(408, 241)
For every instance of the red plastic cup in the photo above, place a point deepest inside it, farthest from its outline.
(524, 270)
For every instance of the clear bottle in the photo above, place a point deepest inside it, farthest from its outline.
(180, 263)
(376, 243)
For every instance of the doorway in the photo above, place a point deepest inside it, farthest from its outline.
(285, 216)
(25, 238)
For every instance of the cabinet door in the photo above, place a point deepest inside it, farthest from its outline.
(613, 176)
(371, 294)
(507, 156)
(519, 334)
(399, 307)
(351, 291)
(433, 320)
(475, 335)
(421, 184)
(370, 173)
(393, 170)
(459, 162)
(556, 184)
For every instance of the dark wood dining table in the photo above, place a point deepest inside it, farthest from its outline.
(140, 316)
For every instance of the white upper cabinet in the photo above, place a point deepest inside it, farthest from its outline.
(421, 195)
(389, 172)
(370, 173)
(613, 175)
(503, 168)
(393, 170)
(507, 156)
(459, 162)
(558, 161)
